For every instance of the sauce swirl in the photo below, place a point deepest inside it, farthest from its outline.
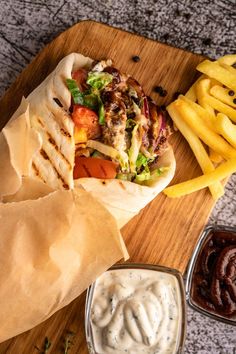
(214, 276)
(136, 311)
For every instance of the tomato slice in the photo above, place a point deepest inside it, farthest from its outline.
(87, 120)
(94, 167)
(80, 76)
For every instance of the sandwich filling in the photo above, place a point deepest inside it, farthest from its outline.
(119, 132)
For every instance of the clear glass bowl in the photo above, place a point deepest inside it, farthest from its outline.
(206, 234)
(178, 276)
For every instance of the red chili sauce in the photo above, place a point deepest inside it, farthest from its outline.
(214, 275)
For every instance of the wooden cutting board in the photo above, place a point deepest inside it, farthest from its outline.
(166, 231)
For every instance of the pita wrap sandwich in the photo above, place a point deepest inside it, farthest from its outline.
(100, 131)
(55, 239)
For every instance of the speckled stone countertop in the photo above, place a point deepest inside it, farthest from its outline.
(205, 26)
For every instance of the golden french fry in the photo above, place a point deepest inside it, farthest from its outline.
(214, 156)
(222, 94)
(229, 59)
(221, 107)
(209, 137)
(229, 68)
(191, 93)
(198, 149)
(207, 117)
(203, 89)
(215, 82)
(216, 71)
(222, 171)
(226, 128)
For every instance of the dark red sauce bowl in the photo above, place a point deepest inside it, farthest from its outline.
(211, 274)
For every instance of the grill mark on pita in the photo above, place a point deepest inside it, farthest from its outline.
(53, 143)
(44, 154)
(36, 170)
(46, 157)
(65, 133)
(60, 122)
(122, 185)
(58, 102)
(40, 122)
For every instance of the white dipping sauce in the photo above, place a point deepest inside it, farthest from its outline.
(136, 311)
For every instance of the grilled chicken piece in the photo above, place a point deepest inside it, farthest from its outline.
(159, 130)
(101, 65)
(115, 120)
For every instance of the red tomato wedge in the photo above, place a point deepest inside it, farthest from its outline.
(87, 119)
(80, 76)
(94, 167)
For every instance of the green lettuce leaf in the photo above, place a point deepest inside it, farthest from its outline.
(91, 101)
(134, 148)
(101, 111)
(145, 175)
(141, 161)
(75, 92)
(98, 80)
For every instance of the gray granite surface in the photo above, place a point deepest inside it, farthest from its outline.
(205, 26)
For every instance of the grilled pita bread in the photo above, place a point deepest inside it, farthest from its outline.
(49, 105)
(125, 199)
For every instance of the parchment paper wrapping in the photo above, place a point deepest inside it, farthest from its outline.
(53, 243)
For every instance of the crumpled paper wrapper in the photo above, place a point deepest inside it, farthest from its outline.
(53, 243)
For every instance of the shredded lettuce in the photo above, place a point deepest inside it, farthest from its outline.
(141, 161)
(91, 101)
(114, 154)
(98, 80)
(75, 92)
(86, 99)
(125, 176)
(146, 175)
(101, 111)
(134, 148)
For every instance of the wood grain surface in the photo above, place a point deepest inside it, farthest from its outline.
(166, 231)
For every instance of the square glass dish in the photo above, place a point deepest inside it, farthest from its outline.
(211, 274)
(136, 308)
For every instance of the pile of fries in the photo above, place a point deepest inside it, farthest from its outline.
(206, 116)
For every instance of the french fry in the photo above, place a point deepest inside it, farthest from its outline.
(209, 137)
(221, 107)
(191, 93)
(214, 156)
(222, 171)
(216, 71)
(215, 82)
(229, 59)
(208, 118)
(229, 68)
(198, 149)
(222, 94)
(203, 89)
(226, 128)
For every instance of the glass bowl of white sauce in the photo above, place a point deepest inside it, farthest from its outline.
(136, 309)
